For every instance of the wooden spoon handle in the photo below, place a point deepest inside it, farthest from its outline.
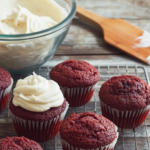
(89, 17)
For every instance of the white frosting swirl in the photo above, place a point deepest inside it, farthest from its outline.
(21, 20)
(37, 94)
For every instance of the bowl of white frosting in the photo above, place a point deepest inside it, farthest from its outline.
(31, 31)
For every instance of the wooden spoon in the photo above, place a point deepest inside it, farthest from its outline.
(118, 33)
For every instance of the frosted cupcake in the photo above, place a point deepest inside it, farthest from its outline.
(38, 108)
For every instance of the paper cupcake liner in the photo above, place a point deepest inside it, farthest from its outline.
(78, 96)
(67, 146)
(4, 96)
(125, 119)
(37, 130)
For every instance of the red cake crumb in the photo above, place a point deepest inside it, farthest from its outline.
(125, 93)
(37, 116)
(5, 79)
(88, 130)
(73, 73)
(18, 143)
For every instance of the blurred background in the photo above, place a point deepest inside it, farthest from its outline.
(84, 40)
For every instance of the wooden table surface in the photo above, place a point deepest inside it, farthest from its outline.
(84, 42)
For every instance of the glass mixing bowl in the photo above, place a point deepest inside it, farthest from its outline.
(26, 52)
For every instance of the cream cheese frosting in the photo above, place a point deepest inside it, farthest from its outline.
(37, 94)
(24, 16)
(21, 20)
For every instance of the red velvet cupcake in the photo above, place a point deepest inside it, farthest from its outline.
(6, 83)
(125, 100)
(37, 108)
(77, 80)
(18, 143)
(88, 131)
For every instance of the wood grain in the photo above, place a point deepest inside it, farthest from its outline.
(117, 32)
(84, 39)
(125, 9)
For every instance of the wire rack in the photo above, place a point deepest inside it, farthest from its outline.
(128, 139)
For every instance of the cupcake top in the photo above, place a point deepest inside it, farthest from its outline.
(73, 73)
(88, 130)
(37, 94)
(125, 93)
(5, 79)
(18, 143)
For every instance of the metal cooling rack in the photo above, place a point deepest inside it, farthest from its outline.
(128, 139)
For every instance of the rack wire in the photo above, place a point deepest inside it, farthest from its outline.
(128, 139)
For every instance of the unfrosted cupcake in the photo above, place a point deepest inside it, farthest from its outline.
(6, 83)
(88, 131)
(125, 100)
(18, 143)
(38, 108)
(77, 80)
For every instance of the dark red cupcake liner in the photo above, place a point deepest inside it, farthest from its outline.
(4, 96)
(78, 96)
(125, 119)
(67, 146)
(37, 130)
